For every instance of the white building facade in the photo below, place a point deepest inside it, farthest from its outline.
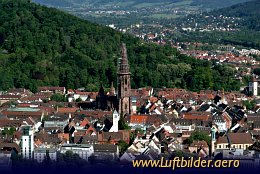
(27, 142)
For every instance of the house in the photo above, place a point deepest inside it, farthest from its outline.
(22, 113)
(234, 140)
(52, 89)
(7, 123)
(7, 148)
(150, 148)
(40, 154)
(114, 137)
(141, 121)
(105, 152)
(254, 86)
(27, 142)
(228, 120)
(56, 121)
(83, 150)
(8, 97)
(219, 121)
(199, 147)
(203, 116)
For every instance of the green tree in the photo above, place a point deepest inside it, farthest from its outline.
(250, 105)
(199, 136)
(58, 98)
(256, 71)
(79, 100)
(122, 124)
(123, 146)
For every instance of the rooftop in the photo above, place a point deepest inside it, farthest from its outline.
(25, 109)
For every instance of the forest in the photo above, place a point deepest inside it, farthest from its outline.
(44, 46)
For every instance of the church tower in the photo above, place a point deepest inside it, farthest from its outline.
(124, 83)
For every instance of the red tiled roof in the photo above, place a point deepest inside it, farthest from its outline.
(51, 88)
(236, 138)
(67, 110)
(84, 122)
(138, 119)
(196, 116)
(10, 123)
(7, 96)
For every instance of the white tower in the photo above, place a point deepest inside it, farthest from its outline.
(116, 118)
(27, 142)
(254, 86)
(213, 138)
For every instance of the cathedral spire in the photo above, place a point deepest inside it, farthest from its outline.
(124, 66)
(112, 89)
(124, 83)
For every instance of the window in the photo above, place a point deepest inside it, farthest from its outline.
(126, 81)
(125, 106)
(125, 89)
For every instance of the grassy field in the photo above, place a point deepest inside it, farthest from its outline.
(168, 16)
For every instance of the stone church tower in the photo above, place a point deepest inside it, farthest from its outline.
(124, 83)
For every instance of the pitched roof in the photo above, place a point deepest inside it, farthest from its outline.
(138, 119)
(67, 110)
(10, 145)
(10, 123)
(199, 144)
(8, 96)
(236, 138)
(50, 88)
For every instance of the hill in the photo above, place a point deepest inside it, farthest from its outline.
(211, 4)
(216, 4)
(249, 13)
(44, 46)
(242, 22)
(56, 3)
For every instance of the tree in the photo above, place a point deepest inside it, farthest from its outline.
(199, 136)
(256, 71)
(79, 100)
(8, 131)
(249, 104)
(122, 124)
(58, 97)
(123, 146)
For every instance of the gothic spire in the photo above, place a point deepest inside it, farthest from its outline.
(124, 66)
(112, 89)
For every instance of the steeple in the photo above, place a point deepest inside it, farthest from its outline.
(124, 83)
(112, 90)
(124, 66)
